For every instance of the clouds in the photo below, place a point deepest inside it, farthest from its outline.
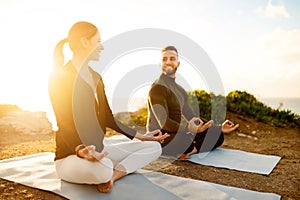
(266, 65)
(276, 57)
(272, 11)
(283, 45)
(282, 49)
(254, 44)
(264, 58)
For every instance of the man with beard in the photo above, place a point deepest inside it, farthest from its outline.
(169, 110)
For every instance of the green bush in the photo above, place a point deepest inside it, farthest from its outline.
(214, 107)
(140, 117)
(209, 106)
(246, 104)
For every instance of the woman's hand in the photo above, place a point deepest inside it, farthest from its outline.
(155, 135)
(89, 153)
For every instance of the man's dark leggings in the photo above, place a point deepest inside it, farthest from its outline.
(185, 142)
(208, 140)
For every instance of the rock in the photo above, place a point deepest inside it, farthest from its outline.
(27, 122)
(241, 134)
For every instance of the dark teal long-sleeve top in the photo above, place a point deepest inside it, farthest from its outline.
(81, 119)
(168, 106)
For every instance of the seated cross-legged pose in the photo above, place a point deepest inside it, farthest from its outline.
(169, 110)
(82, 113)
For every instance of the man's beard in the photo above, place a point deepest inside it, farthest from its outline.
(168, 70)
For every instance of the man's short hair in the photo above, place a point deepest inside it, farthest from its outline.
(169, 48)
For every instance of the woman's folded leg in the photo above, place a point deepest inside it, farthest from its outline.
(77, 170)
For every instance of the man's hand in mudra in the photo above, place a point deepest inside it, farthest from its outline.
(228, 126)
(196, 125)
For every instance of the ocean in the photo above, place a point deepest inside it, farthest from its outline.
(292, 104)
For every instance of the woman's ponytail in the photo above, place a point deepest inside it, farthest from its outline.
(58, 57)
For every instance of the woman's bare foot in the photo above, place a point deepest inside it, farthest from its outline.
(105, 187)
(117, 174)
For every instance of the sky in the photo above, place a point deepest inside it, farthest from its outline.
(254, 44)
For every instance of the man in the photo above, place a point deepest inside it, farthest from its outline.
(170, 111)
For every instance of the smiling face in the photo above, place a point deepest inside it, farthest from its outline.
(169, 62)
(94, 47)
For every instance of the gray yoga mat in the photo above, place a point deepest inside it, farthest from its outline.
(38, 171)
(237, 160)
(226, 158)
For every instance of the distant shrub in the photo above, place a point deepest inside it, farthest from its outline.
(209, 106)
(140, 116)
(214, 107)
(243, 103)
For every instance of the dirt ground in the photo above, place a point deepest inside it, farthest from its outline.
(252, 136)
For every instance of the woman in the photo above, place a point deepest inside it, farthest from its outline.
(83, 113)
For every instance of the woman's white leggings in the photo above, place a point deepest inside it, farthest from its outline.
(132, 155)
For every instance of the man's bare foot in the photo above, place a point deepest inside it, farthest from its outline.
(185, 156)
(105, 187)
